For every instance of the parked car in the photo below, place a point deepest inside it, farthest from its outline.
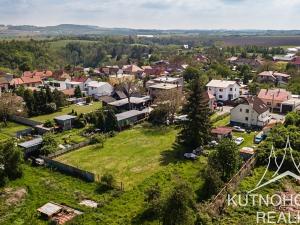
(239, 140)
(238, 129)
(191, 156)
(198, 150)
(220, 104)
(259, 138)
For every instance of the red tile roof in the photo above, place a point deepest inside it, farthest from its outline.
(274, 94)
(80, 79)
(221, 130)
(297, 61)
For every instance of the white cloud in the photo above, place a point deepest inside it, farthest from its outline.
(161, 14)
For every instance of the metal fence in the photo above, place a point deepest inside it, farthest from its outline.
(25, 121)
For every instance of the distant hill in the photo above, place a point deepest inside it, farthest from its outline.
(73, 29)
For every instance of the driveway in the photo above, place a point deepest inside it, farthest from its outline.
(277, 117)
(223, 110)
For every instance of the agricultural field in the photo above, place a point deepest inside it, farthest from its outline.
(66, 110)
(261, 40)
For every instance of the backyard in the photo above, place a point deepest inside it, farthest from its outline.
(66, 110)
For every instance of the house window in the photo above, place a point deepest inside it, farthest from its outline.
(241, 110)
(247, 110)
(220, 96)
(246, 118)
(209, 89)
(220, 90)
(230, 89)
(268, 103)
(278, 104)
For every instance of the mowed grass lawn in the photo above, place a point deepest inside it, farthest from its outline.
(66, 110)
(130, 156)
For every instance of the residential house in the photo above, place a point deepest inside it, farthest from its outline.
(163, 89)
(5, 80)
(239, 61)
(272, 76)
(166, 80)
(285, 58)
(26, 82)
(290, 105)
(60, 85)
(296, 62)
(61, 75)
(65, 122)
(109, 70)
(221, 132)
(273, 98)
(224, 90)
(44, 75)
(84, 80)
(120, 78)
(97, 89)
(133, 70)
(250, 112)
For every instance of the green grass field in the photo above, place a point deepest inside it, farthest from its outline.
(66, 110)
(139, 157)
(10, 130)
(223, 122)
(131, 156)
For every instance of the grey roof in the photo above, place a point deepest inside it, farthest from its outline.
(128, 114)
(133, 100)
(31, 143)
(65, 117)
(50, 209)
(121, 94)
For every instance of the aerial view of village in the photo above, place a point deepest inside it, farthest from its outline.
(147, 112)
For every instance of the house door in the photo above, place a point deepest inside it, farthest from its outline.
(230, 97)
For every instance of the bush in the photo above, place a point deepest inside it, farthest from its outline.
(79, 122)
(158, 116)
(50, 108)
(107, 182)
(98, 139)
(49, 123)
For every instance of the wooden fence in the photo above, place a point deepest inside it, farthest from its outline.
(218, 203)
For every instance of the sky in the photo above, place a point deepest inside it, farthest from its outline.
(155, 14)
